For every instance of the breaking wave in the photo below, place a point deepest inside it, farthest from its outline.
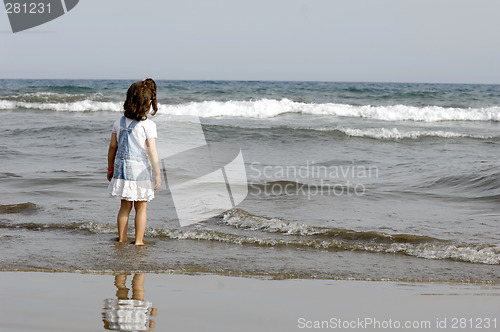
(396, 134)
(22, 208)
(262, 108)
(299, 235)
(268, 108)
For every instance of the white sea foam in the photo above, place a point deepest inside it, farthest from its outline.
(359, 241)
(263, 108)
(242, 219)
(435, 251)
(304, 236)
(473, 254)
(268, 108)
(77, 106)
(394, 133)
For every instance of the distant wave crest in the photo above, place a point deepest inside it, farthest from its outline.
(268, 108)
(262, 108)
(76, 106)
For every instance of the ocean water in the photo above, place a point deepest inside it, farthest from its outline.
(371, 181)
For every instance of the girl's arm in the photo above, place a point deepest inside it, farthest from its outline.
(153, 158)
(113, 146)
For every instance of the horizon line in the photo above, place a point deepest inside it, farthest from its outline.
(253, 80)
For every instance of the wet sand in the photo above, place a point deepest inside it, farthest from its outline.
(76, 302)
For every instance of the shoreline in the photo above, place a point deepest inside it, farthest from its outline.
(257, 276)
(38, 301)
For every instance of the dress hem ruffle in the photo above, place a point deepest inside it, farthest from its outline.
(131, 190)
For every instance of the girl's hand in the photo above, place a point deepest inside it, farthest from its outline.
(157, 182)
(109, 176)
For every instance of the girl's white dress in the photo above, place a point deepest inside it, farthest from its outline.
(132, 177)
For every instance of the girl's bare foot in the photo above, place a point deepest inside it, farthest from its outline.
(138, 243)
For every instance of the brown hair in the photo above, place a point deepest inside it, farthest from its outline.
(139, 96)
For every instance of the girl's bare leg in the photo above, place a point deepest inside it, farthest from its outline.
(140, 221)
(122, 290)
(138, 286)
(122, 220)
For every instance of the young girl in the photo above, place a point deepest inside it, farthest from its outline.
(132, 156)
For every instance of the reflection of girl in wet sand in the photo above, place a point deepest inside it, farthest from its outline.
(124, 314)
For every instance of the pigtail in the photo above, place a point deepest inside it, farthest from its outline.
(151, 84)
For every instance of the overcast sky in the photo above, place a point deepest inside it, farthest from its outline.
(447, 41)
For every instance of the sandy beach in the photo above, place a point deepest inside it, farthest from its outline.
(76, 302)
